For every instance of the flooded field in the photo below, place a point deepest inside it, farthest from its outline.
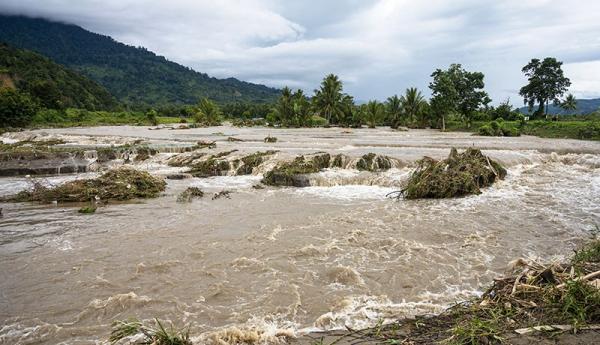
(273, 262)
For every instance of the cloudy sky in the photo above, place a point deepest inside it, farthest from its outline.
(377, 47)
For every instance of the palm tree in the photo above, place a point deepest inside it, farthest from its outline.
(394, 111)
(412, 103)
(570, 103)
(284, 108)
(301, 109)
(208, 113)
(375, 112)
(328, 99)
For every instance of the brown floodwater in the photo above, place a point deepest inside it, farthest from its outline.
(275, 261)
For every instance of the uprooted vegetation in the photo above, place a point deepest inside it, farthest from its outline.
(205, 165)
(292, 173)
(458, 175)
(533, 300)
(190, 194)
(118, 184)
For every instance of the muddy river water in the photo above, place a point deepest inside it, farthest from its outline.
(281, 261)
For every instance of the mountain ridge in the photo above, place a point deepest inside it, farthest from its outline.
(134, 75)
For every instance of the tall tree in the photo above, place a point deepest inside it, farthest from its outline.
(412, 103)
(328, 99)
(393, 108)
(284, 108)
(208, 113)
(570, 103)
(462, 89)
(349, 112)
(375, 112)
(301, 109)
(546, 82)
(444, 96)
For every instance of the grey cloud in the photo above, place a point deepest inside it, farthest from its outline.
(378, 47)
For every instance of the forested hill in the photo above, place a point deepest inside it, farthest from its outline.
(584, 106)
(53, 85)
(133, 75)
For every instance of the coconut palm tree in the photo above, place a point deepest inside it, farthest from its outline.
(208, 113)
(412, 103)
(393, 108)
(570, 103)
(375, 112)
(328, 99)
(284, 108)
(301, 108)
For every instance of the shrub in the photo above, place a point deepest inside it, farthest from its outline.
(459, 174)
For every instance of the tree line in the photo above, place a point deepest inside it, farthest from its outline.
(455, 92)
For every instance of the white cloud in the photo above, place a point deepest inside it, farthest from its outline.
(378, 47)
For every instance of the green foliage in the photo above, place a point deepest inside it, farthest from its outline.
(52, 85)
(578, 303)
(476, 331)
(135, 76)
(457, 90)
(590, 252)
(247, 110)
(207, 113)
(589, 130)
(157, 335)
(374, 114)
(570, 103)
(151, 116)
(505, 111)
(87, 209)
(17, 109)
(414, 107)
(499, 128)
(393, 110)
(545, 82)
(327, 100)
(458, 175)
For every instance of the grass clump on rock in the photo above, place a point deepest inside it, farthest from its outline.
(252, 161)
(189, 194)
(458, 175)
(373, 162)
(118, 184)
(292, 173)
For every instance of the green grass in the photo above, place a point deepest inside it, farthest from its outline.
(588, 253)
(158, 335)
(476, 331)
(569, 129)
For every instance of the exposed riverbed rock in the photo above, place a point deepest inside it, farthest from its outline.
(458, 175)
(294, 173)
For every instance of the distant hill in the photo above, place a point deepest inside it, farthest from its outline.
(584, 106)
(133, 75)
(52, 84)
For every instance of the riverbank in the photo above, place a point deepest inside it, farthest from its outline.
(555, 303)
